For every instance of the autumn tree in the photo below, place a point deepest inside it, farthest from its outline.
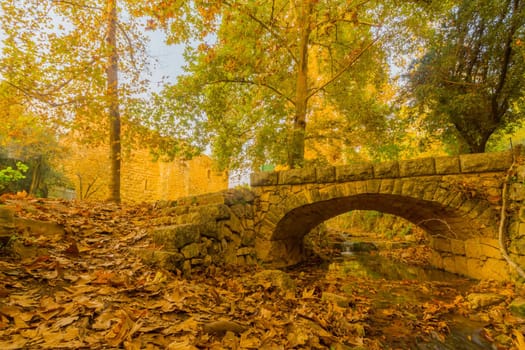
(64, 58)
(23, 137)
(254, 85)
(468, 84)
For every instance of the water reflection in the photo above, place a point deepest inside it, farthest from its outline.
(464, 334)
(374, 266)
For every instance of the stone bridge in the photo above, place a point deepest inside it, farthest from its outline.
(456, 200)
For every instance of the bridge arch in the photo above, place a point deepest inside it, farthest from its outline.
(433, 203)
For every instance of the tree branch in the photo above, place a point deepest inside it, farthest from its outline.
(344, 69)
(76, 4)
(251, 82)
(269, 29)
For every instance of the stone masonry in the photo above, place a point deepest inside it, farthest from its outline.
(198, 231)
(457, 200)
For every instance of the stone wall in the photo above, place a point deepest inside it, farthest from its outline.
(142, 178)
(515, 229)
(199, 231)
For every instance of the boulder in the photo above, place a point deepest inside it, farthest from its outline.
(479, 300)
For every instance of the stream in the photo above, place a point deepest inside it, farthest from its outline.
(396, 290)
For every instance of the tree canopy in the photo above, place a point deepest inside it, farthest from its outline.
(272, 68)
(277, 82)
(468, 84)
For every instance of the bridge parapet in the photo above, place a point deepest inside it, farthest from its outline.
(462, 164)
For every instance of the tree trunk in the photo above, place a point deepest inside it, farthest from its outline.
(113, 102)
(36, 178)
(296, 151)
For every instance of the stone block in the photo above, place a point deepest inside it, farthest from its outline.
(192, 250)
(521, 230)
(176, 236)
(461, 264)
(209, 229)
(397, 187)
(473, 248)
(239, 196)
(485, 162)
(245, 251)
(474, 267)
(357, 171)
(386, 169)
(449, 264)
(490, 248)
(517, 191)
(264, 178)
(360, 187)
(39, 227)
(436, 260)
(522, 213)
(457, 246)
(387, 186)
(441, 244)
(297, 176)
(248, 238)
(495, 269)
(517, 246)
(234, 224)
(447, 165)
(408, 188)
(417, 167)
(163, 259)
(325, 175)
(373, 186)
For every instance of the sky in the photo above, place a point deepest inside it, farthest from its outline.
(169, 59)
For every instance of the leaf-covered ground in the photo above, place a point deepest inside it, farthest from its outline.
(84, 289)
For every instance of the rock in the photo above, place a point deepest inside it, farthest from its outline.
(363, 246)
(176, 236)
(192, 250)
(517, 307)
(6, 221)
(238, 195)
(275, 278)
(168, 260)
(336, 299)
(28, 251)
(38, 227)
(478, 300)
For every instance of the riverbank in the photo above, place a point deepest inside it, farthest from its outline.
(83, 288)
